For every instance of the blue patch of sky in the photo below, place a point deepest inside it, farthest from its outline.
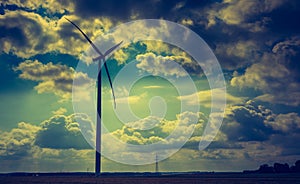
(57, 58)
(27, 106)
(9, 78)
(40, 10)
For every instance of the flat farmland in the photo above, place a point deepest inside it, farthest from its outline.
(183, 178)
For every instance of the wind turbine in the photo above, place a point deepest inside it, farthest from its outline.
(100, 59)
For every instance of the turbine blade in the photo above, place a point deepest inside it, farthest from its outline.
(86, 37)
(111, 86)
(113, 48)
(100, 57)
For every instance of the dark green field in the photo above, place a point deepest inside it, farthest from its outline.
(163, 179)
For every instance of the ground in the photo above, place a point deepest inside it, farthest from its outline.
(180, 179)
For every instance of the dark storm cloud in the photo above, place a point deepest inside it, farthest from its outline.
(276, 75)
(24, 34)
(246, 123)
(229, 26)
(117, 9)
(67, 32)
(123, 10)
(284, 20)
(61, 132)
(288, 143)
(288, 133)
(253, 127)
(15, 34)
(225, 26)
(13, 28)
(134, 9)
(252, 122)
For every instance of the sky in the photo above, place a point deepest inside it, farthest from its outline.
(256, 43)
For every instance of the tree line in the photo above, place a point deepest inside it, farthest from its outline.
(277, 168)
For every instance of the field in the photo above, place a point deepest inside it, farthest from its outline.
(162, 179)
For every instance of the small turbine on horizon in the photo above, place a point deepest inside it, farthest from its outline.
(100, 59)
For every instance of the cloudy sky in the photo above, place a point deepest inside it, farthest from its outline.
(257, 44)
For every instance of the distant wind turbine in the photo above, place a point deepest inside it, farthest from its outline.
(100, 58)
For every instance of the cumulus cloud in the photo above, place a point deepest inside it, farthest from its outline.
(253, 122)
(234, 12)
(238, 54)
(120, 56)
(249, 131)
(19, 141)
(29, 34)
(137, 142)
(60, 136)
(63, 132)
(56, 143)
(288, 45)
(153, 129)
(274, 75)
(160, 65)
(71, 41)
(286, 138)
(52, 78)
(157, 47)
(253, 132)
(150, 52)
(247, 123)
(242, 49)
(258, 74)
(286, 123)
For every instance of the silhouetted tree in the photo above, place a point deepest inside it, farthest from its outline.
(265, 168)
(296, 167)
(281, 168)
(277, 168)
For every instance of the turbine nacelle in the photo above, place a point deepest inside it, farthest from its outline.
(102, 56)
